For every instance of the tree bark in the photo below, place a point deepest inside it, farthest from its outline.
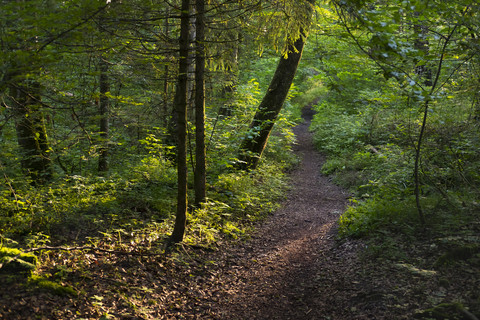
(104, 110)
(181, 108)
(166, 30)
(254, 143)
(31, 131)
(200, 151)
(421, 44)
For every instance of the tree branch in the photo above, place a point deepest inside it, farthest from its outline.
(61, 34)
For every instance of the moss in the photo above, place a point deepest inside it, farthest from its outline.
(52, 287)
(15, 261)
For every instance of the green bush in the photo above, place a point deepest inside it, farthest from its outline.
(151, 188)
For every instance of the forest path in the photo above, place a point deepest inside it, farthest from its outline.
(293, 268)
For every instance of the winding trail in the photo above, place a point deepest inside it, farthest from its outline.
(292, 268)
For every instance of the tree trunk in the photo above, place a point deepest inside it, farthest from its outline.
(254, 143)
(229, 89)
(200, 151)
(166, 30)
(31, 131)
(191, 67)
(104, 110)
(181, 108)
(426, 108)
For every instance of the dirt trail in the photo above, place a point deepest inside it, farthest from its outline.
(292, 268)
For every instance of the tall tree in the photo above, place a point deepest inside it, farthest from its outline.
(103, 102)
(181, 110)
(200, 151)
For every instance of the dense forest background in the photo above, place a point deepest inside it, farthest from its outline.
(95, 97)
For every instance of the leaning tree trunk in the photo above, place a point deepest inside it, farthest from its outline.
(31, 131)
(254, 143)
(256, 139)
(200, 152)
(181, 110)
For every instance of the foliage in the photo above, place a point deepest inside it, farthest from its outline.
(135, 40)
(140, 190)
(368, 71)
(369, 119)
(377, 113)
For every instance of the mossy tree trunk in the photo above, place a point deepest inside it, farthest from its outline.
(31, 131)
(254, 143)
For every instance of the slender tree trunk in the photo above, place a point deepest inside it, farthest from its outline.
(418, 151)
(181, 108)
(31, 131)
(104, 110)
(424, 72)
(231, 75)
(200, 151)
(254, 143)
(191, 66)
(476, 110)
(421, 43)
(167, 73)
(416, 171)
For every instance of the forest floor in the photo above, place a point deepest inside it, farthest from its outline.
(293, 267)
